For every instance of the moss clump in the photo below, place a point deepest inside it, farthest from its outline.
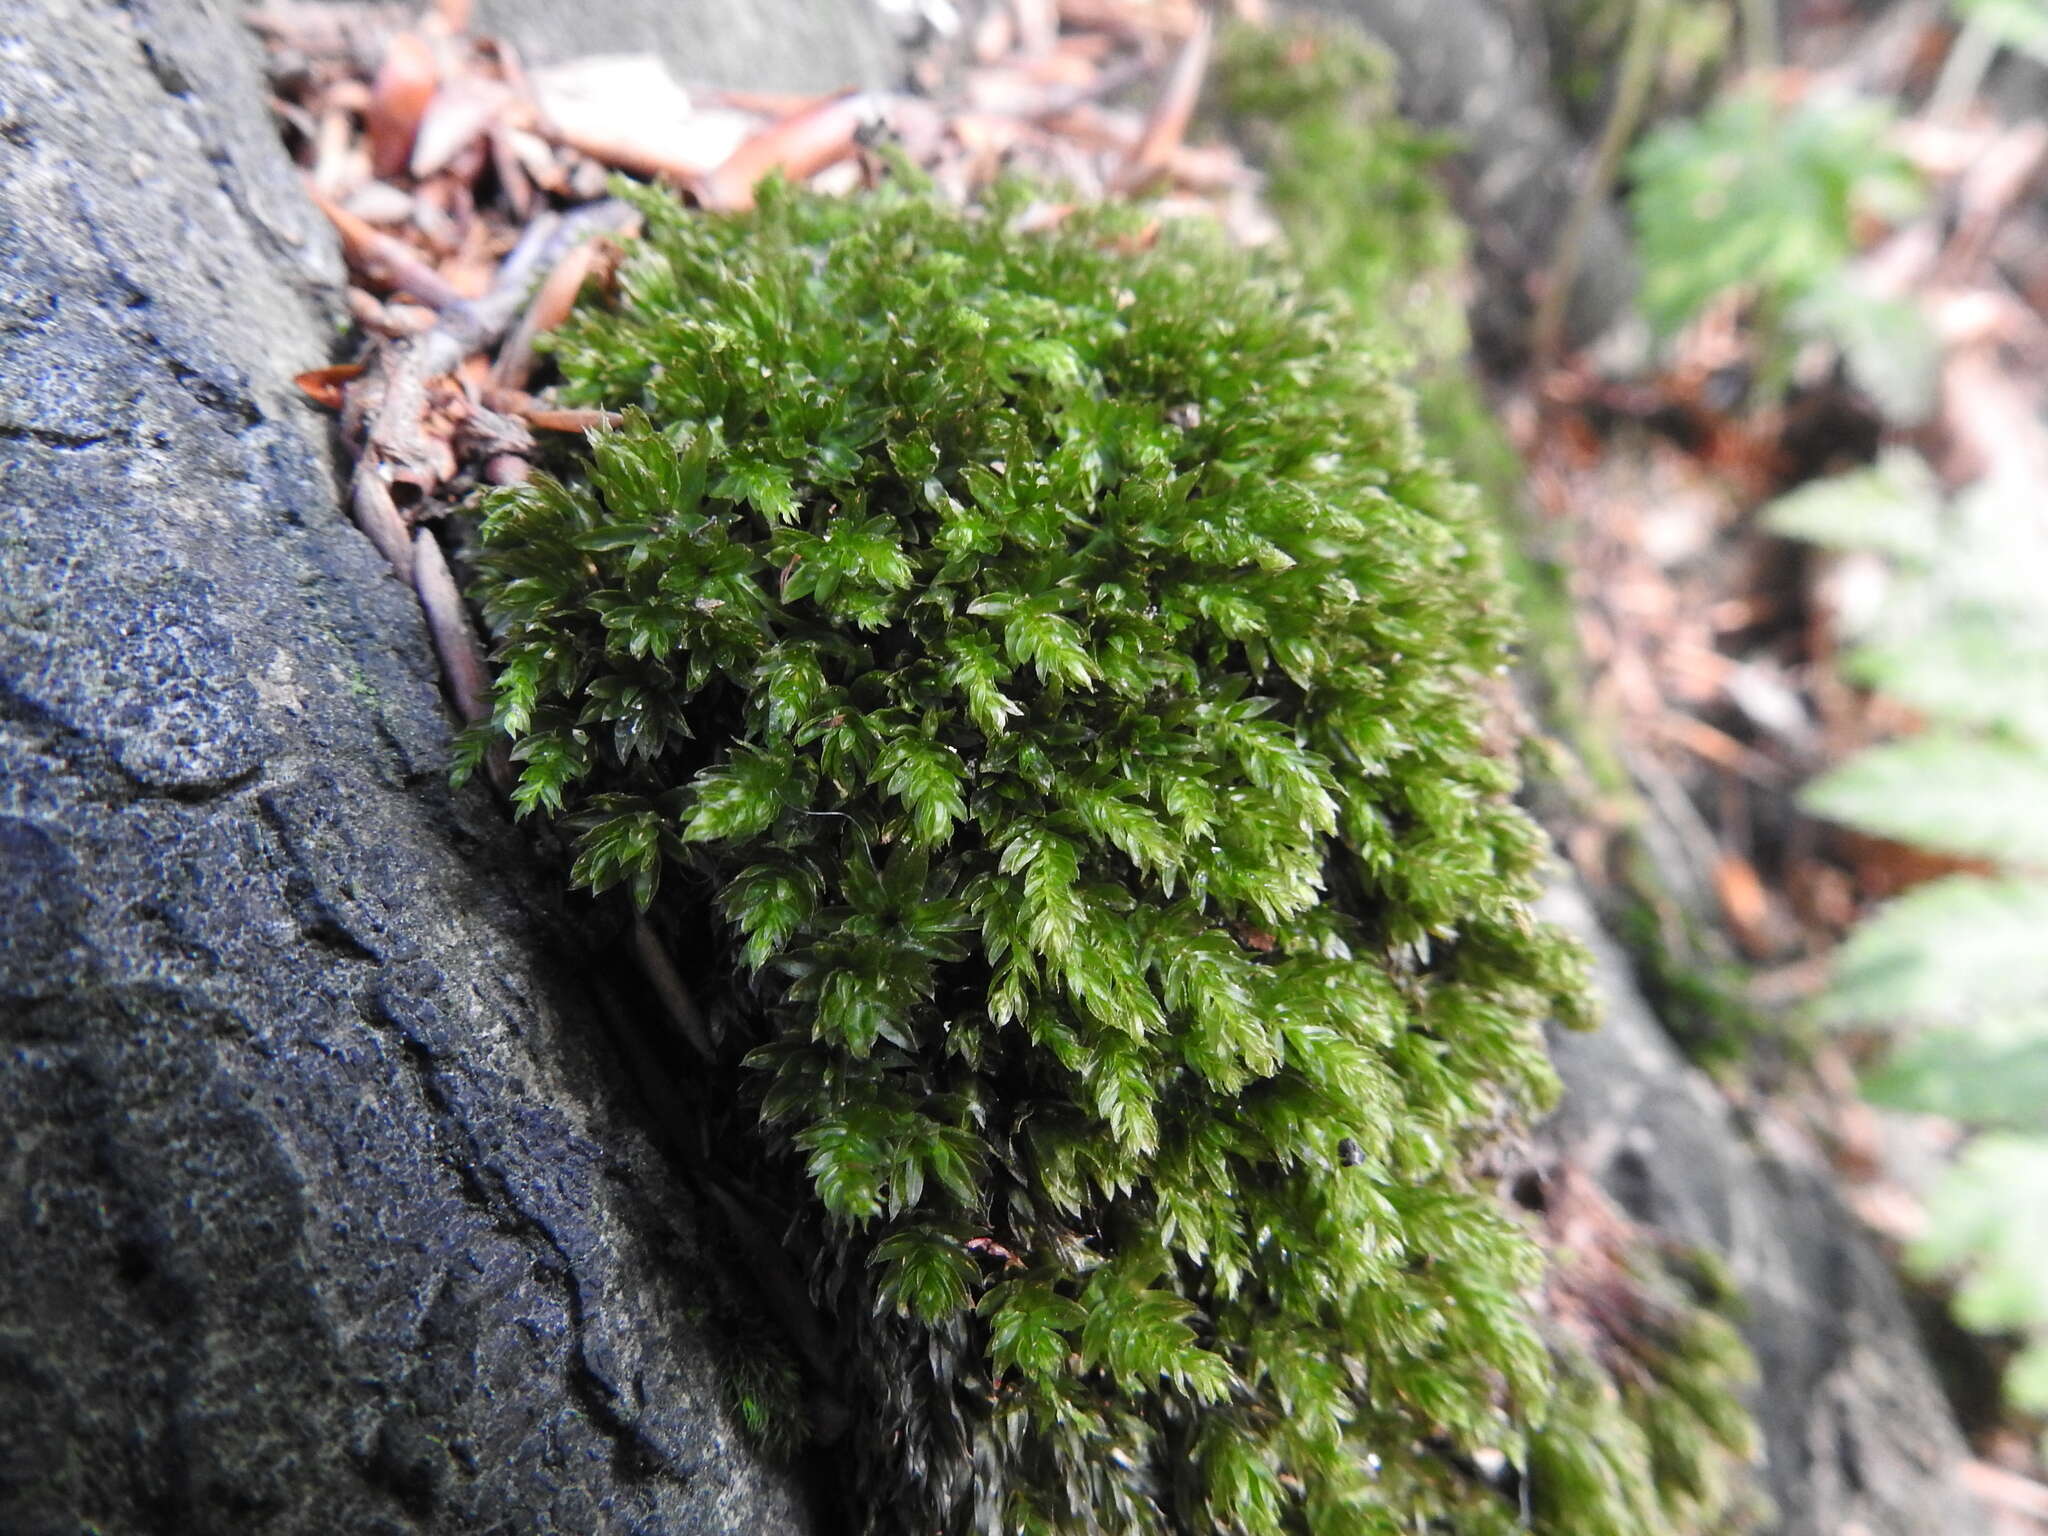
(1355, 191)
(1037, 679)
(1363, 215)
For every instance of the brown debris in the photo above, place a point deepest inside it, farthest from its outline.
(377, 515)
(405, 87)
(460, 116)
(552, 301)
(452, 177)
(386, 259)
(322, 386)
(1167, 126)
(797, 147)
(463, 669)
(550, 419)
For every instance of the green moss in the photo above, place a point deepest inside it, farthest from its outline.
(1048, 675)
(1364, 216)
(1035, 689)
(1355, 191)
(1647, 1430)
(764, 1391)
(1352, 185)
(358, 683)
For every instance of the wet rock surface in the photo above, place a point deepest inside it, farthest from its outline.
(326, 1205)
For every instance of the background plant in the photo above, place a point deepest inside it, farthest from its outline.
(1957, 968)
(1765, 200)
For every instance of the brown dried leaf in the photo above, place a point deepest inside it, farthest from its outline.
(379, 202)
(1716, 745)
(551, 304)
(994, 36)
(1993, 419)
(1885, 869)
(761, 104)
(1142, 19)
(379, 256)
(628, 111)
(798, 146)
(537, 159)
(461, 112)
(462, 658)
(378, 516)
(338, 164)
(322, 386)
(516, 185)
(405, 85)
(571, 421)
(1744, 902)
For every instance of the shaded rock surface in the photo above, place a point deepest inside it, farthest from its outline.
(1857, 1433)
(1466, 70)
(326, 1208)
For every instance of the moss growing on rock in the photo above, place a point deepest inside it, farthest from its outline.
(1038, 678)
(1647, 1429)
(1352, 185)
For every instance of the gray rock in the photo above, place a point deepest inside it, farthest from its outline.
(1856, 1431)
(326, 1206)
(776, 47)
(1466, 72)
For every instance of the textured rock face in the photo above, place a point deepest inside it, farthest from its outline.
(1465, 70)
(325, 1207)
(1858, 1436)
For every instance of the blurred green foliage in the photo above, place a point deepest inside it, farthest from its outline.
(1762, 200)
(1957, 968)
